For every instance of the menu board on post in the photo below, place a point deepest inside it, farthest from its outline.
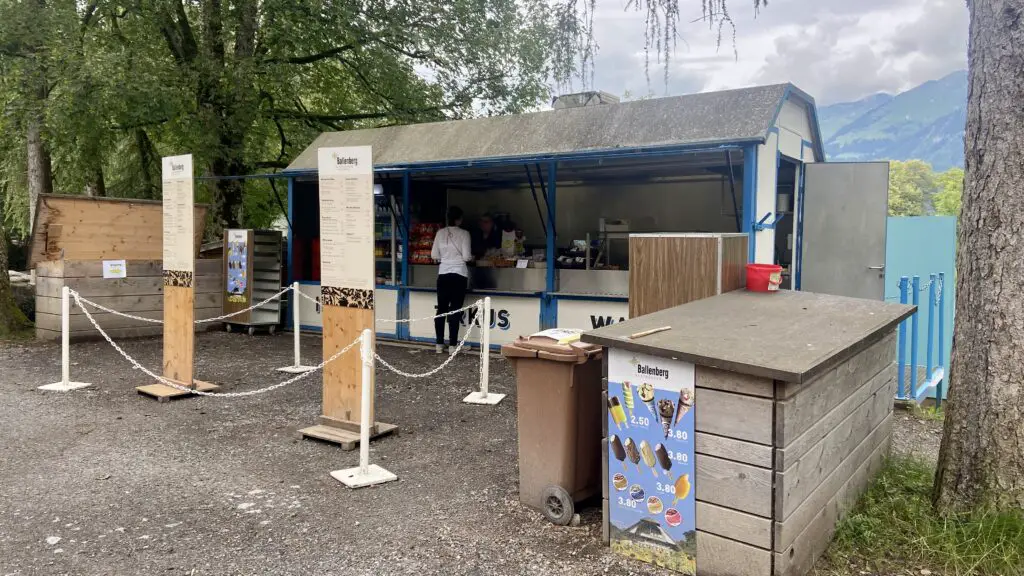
(179, 221)
(651, 505)
(346, 226)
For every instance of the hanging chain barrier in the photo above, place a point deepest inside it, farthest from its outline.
(83, 304)
(476, 304)
(78, 298)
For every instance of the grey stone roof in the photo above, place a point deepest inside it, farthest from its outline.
(709, 118)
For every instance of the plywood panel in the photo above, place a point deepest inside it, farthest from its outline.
(85, 228)
(179, 335)
(733, 382)
(343, 376)
(787, 531)
(79, 322)
(734, 416)
(666, 271)
(798, 558)
(718, 556)
(804, 475)
(785, 457)
(734, 525)
(871, 358)
(734, 485)
(132, 303)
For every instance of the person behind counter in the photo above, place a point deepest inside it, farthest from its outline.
(487, 237)
(452, 249)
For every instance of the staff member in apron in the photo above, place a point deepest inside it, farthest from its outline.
(452, 249)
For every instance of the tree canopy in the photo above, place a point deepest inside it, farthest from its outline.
(916, 190)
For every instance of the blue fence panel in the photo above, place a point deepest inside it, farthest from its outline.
(922, 246)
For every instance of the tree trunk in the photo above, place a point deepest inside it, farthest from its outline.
(981, 462)
(12, 321)
(40, 172)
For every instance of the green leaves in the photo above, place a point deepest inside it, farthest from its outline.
(915, 190)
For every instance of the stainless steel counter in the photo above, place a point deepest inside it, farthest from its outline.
(578, 282)
(596, 282)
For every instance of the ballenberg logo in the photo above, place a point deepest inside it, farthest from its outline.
(650, 370)
(177, 167)
(346, 161)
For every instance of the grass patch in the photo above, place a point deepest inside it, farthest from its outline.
(929, 413)
(895, 530)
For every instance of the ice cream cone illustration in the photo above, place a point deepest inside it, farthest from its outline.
(618, 416)
(648, 454)
(665, 410)
(646, 392)
(627, 397)
(632, 453)
(618, 450)
(682, 488)
(685, 403)
(661, 453)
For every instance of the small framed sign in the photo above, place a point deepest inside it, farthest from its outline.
(115, 269)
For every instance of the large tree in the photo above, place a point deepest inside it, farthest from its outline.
(981, 463)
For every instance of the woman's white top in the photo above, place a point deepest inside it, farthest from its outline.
(452, 248)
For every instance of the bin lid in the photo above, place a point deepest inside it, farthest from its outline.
(558, 344)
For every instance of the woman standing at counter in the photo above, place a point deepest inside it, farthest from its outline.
(452, 249)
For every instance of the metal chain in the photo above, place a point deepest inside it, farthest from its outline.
(408, 320)
(166, 382)
(160, 321)
(443, 365)
(249, 309)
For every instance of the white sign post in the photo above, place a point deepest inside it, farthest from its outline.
(65, 384)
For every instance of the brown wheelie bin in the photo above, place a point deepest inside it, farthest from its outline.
(559, 413)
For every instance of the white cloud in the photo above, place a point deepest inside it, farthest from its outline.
(837, 50)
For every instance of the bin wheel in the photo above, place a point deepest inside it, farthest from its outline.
(252, 330)
(558, 505)
(273, 330)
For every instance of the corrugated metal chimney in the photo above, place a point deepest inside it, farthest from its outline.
(581, 99)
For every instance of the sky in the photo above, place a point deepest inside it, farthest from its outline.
(836, 50)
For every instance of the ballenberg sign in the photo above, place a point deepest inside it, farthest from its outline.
(651, 371)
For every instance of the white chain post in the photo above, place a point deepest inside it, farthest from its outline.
(297, 368)
(65, 384)
(365, 474)
(483, 396)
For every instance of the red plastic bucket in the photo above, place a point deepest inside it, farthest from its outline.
(763, 277)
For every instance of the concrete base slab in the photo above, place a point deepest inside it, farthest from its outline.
(62, 387)
(296, 369)
(477, 398)
(374, 475)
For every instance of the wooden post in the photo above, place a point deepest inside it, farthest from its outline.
(178, 280)
(347, 274)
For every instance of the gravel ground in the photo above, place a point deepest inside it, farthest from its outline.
(103, 481)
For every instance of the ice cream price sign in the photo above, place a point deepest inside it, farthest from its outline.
(651, 468)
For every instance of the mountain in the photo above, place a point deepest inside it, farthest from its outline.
(925, 122)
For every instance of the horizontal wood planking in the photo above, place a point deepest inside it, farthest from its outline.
(784, 457)
(726, 381)
(787, 531)
(795, 484)
(116, 333)
(80, 322)
(718, 556)
(874, 353)
(732, 449)
(735, 525)
(733, 485)
(799, 413)
(734, 416)
(129, 303)
(797, 559)
(89, 287)
(133, 268)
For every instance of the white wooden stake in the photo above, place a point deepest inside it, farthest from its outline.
(65, 383)
(483, 396)
(365, 474)
(297, 368)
